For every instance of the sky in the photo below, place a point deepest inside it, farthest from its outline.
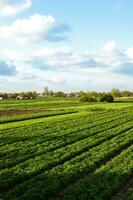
(68, 45)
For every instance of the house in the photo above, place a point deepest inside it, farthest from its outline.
(1, 98)
(19, 98)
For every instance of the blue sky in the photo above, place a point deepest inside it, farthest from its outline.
(93, 22)
(66, 45)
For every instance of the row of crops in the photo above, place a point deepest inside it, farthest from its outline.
(76, 156)
(126, 192)
(38, 104)
(33, 116)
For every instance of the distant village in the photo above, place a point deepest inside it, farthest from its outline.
(34, 94)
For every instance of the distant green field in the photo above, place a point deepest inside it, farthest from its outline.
(62, 149)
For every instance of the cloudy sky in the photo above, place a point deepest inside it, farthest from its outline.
(66, 45)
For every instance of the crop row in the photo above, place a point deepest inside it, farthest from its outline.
(58, 124)
(49, 160)
(126, 193)
(30, 122)
(10, 142)
(105, 181)
(40, 149)
(59, 155)
(33, 116)
(49, 125)
(44, 185)
(37, 123)
(43, 136)
(39, 104)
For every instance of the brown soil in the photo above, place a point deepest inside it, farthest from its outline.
(20, 112)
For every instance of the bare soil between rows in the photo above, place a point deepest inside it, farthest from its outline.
(13, 112)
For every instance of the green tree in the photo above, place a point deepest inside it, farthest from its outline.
(107, 98)
(116, 93)
(46, 91)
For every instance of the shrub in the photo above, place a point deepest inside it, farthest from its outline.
(87, 98)
(83, 99)
(107, 98)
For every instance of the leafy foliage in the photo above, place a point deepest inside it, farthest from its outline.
(86, 153)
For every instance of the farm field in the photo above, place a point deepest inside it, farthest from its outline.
(62, 149)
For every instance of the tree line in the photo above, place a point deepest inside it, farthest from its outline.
(83, 96)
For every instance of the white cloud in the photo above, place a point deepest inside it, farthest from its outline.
(54, 58)
(110, 46)
(23, 30)
(68, 59)
(9, 8)
(34, 29)
(129, 52)
(65, 67)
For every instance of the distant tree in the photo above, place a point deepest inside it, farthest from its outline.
(87, 98)
(71, 94)
(4, 95)
(34, 94)
(59, 94)
(94, 94)
(80, 94)
(46, 91)
(51, 93)
(83, 98)
(13, 95)
(126, 93)
(116, 93)
(28, 95)
(107, 98)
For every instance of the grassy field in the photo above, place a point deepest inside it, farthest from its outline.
(62, 149)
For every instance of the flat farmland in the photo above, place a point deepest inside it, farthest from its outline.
(66, 150)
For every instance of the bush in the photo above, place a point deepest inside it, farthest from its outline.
(87, 98)
(83, 99)
(107, 98)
